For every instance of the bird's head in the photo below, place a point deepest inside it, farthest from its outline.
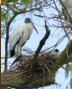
(28, 20)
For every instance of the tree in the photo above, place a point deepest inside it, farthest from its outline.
(61, 20)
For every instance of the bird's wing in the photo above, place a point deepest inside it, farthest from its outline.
(16, 35)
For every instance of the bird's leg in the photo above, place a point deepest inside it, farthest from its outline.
(18, 54)
(17, 51)
(9, 48)
(16, 48)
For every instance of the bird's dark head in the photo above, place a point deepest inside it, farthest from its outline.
(56, 50)
(28, 20)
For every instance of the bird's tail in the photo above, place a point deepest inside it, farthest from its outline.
(11, 53)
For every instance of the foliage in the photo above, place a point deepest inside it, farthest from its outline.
(24, 1)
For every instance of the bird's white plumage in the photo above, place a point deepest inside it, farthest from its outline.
(53, 53)
(21, 33)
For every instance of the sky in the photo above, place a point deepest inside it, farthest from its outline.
(33, 43)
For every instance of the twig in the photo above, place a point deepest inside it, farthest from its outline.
(61, 18)
(43, 77)
(45, 66)
(6, 42)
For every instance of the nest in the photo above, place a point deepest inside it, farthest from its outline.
(44, 62)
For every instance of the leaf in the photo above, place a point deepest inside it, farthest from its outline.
(11, 1)
(71, 83)
(3, 13)
(67, 70)
(24, 1)
(64, 13)
(2, 16)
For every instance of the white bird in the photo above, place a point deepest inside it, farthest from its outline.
(19, 36)
(54, 53)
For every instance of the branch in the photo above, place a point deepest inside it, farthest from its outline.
(64, 58)
(6, 42)
(42, 42)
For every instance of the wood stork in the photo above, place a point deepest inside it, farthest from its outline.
(54, 53)
(19, 37)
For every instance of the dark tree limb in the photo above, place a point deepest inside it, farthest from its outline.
(20, 82)
(6, 42)
(42, 42)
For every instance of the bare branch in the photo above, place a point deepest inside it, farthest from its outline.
(42, 42)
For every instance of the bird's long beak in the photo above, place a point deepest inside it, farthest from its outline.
(34, 27)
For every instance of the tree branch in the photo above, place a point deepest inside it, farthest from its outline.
(63, 58)
(42, 42)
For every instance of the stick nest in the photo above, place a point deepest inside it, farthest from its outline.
(44, 62)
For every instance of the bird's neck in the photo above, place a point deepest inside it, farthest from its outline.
(29, 26)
